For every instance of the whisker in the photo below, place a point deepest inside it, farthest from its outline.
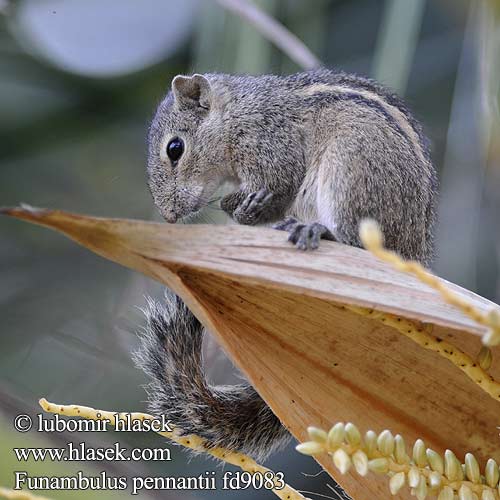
(208, 218)
(205, 201)
(342, 495)
(322, 471)
(217, 209)
(318, 494)
(201, 198)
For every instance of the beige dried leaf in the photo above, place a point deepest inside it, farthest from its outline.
(318, 334)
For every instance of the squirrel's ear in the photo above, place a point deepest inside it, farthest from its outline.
(192, 91)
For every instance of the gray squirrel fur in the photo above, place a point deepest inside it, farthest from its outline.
(314, 152)
(234, 417)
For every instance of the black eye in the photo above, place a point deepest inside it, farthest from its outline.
(175, 148)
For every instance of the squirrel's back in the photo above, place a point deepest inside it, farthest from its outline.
(351, 146)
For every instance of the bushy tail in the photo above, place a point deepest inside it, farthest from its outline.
(233, 417)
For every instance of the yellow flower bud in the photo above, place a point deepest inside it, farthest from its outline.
(385, 443)
(435, 461)
(310, 448)
(360, 462)
(491, 473)
(317, 435)
(336, 436)
(353, 435)
(419, 456)
(379, 465)
(472, 468)
(397, 482)
(342, 461)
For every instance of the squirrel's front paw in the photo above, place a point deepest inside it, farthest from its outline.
(304, 236)
(252, 210)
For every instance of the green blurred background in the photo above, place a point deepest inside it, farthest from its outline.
(79, 81)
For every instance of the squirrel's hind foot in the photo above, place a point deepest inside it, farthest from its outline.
(304, 236)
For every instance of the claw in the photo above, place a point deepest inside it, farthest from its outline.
(285, 224)
(257, 201)
(252, 207)
(247, 202)
(295, 233)
(304, 236)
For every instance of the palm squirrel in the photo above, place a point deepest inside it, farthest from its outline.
(318, 151)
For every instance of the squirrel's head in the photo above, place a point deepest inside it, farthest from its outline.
(187, 158)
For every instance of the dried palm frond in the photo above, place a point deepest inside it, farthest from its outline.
(333, 335)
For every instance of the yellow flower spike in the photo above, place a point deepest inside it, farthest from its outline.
(491, 473)
(465, 493)
(335, 436)
(400, 450)
(385, 443)
(484, 358)
(413, 477)
(192, 441)
(19, 495)
(379, 465)
(472, 468)
(397, 482)
(342, 461)
(317, 435)
(372, 238)
(446, 494)
(452, 467)
(310, 448)
(360, 462)
(419, 456)
(435, 461)
(370, 443)
(353, 435)
(370, 234)
(421, 489)
(435, 480)
(461, 360)
(426, 474)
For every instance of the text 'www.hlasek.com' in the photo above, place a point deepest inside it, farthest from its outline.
(114, 453)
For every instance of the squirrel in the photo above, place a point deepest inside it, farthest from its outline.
(314, 152)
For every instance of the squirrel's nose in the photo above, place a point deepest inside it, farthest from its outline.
(170, 217)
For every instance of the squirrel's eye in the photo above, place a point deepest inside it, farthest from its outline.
(175, 148)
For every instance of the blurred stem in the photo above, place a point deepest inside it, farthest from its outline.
(489, 72)
(397, 41)
(309, 24)
(210, 40)
(4, 7)
(462, 177)
(253, 53)
(274, 31)
(489, 81)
